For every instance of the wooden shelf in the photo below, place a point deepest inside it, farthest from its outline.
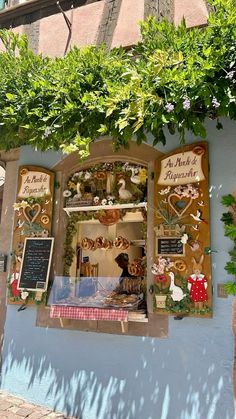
(69, 210)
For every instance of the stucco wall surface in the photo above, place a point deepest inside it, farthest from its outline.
(100, 376)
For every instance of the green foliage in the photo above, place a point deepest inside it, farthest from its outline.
(227, 218)
(230, 231)
(228, 200)
(230, 288)
(174, 78)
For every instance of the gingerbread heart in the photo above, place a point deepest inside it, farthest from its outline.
(31, 212)
(178, 203)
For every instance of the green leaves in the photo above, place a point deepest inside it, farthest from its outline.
(230, 288)
(230, 231)
(174, 78)
(228, 200)
(228, 219)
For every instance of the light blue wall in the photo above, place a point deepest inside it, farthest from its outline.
(100, 376)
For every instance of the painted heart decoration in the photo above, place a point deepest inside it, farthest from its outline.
(31, 212)
(179, 204)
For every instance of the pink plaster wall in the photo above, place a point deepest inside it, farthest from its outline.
(194, 11)
(54, 31)
(127, 31)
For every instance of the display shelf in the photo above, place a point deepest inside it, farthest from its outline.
(69, 210)
(138, 243)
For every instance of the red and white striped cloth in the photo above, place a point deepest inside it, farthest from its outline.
(88, 313)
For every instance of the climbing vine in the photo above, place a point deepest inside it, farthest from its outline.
(173, 79)
(228, 219)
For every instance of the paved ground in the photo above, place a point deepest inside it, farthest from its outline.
(13, 408)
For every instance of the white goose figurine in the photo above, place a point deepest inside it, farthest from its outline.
(124, 193)
(177, 292)
(79, 193)
(135, 178)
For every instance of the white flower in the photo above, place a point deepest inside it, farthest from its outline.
(110, 202)
(16, 206)
(24, 295)
(87, 175)
(96, 200)
(215, 102)
(169, 107)
(24, 204)
(66, 193)
(126, 166)
(184, 238)
(47, 132)
(154, 269)
(104, 202)
(186, 103)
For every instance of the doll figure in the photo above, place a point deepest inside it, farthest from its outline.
(197, 284)
(14, 282)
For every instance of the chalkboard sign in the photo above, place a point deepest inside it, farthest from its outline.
(35, 266)
(170, 246)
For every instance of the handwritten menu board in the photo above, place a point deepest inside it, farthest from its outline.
(170, 246)
(35, 267)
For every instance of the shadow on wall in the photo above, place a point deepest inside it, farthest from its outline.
(98, 376)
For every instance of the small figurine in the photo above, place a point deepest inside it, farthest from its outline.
(14, 280)
(176, 292)
(197, 284)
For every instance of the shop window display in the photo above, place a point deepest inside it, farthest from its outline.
(107, 203)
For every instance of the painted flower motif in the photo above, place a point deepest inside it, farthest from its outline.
(187, 191)
(104, 202)
(66, 193)
(18, 205)
(142, 175)
(215, 102)
(160, 278)
(24, 295)
(87, 175)
(96, 200)
(169, 107)
(162, 265)
(24, 204)
(186, 103)
(155, 269)
(165, 191)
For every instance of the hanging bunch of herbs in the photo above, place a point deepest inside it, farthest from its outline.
(173, 79)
